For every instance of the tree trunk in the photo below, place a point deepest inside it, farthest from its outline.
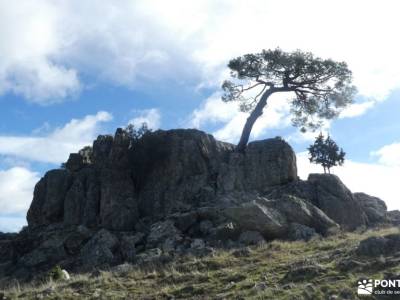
(254, 115)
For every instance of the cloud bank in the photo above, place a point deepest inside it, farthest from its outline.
(48, 47)
(17, 183)
(151, 117)
(16, 186)
(215, 112)
(388, 155)
(57, 145)
(16, 190)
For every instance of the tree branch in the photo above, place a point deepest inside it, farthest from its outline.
(251, 87)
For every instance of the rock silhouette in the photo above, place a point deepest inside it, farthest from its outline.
(176, 192)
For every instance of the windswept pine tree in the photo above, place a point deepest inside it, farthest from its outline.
(321, 87)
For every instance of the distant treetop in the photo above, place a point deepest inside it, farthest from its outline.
(326, 153)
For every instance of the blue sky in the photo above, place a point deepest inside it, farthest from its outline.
(70, 70)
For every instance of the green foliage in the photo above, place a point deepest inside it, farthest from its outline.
(321, 87)
(87, 154)
(326, 153)
(56, 273)
(136, 134)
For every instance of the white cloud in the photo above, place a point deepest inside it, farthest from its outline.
(16, 186)
(46, 44)
(216, 112)
(356, 109)
(346, 35)
(372, 178)
(151, 117)
(30, 40)
(17, 183)
(213, 111)
(56, 146)
(389, 155)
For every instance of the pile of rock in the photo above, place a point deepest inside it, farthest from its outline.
(176, 192)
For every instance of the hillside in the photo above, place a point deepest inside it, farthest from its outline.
(323, 268)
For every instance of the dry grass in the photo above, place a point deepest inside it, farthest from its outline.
(227, 275)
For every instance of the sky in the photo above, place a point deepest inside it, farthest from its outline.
(70, 70)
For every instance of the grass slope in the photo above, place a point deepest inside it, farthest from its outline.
(319, 269)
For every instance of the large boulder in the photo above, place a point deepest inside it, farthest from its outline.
(374, 208)
(99, 250)
(328, 193)
(337, 201)
(264, 164)
(273, 218)
(300, 232)
(251, 238)
(393, 217)
(46, 254)
(268, 163)
(379, 245)
(128, 244)
(76, 239)
(299, 188)
(164, 235)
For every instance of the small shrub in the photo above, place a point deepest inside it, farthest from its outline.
(136, 134)
(326, 153)
(56, 273)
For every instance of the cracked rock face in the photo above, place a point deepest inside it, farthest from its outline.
(328, 193)
(171, 193)
(165, 172)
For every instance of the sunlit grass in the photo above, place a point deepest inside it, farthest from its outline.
(225, 274)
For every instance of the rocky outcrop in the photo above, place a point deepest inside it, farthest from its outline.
(375, 209)
(379, 245)
(393, 217)
(100, 250)
(48, 199)
(330, 195)
(163, 173)
(175, 192)
(273, 218)
(336, 200)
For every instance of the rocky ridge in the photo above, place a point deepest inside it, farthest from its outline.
(176, 192)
